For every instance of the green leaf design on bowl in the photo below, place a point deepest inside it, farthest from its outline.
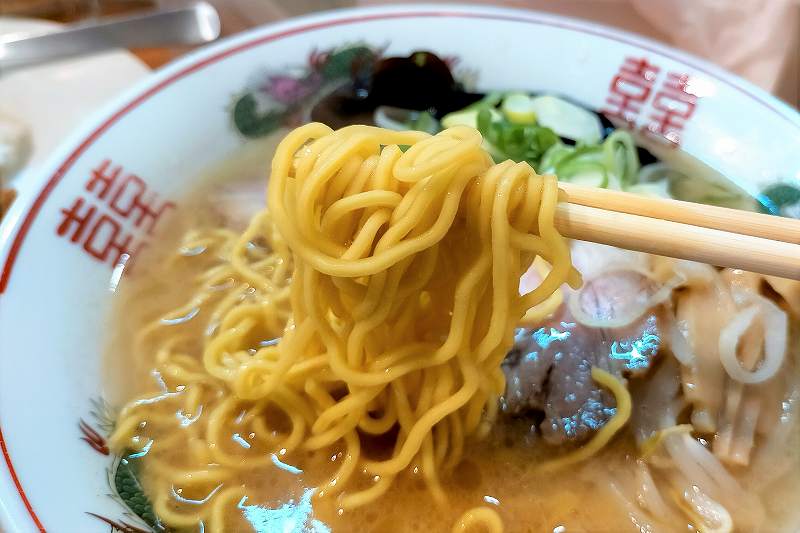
(130, 490)
(340, 63)
(777, 198)
(259, 111)
(250, 122)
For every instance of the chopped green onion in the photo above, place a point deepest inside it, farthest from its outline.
(567, 119)
(466, 117)
(518, 109)
(612, 164)
(425, 122)
(518, 142)
(491, 100)
(620, 153)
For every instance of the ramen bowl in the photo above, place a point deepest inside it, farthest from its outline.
(109, 191)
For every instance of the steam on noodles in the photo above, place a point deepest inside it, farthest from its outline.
(386, 269)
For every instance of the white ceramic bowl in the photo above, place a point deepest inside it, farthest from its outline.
(55, 270)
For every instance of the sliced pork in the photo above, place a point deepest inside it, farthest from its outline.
(548, 372)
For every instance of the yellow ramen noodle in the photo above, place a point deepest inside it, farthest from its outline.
(386, 268)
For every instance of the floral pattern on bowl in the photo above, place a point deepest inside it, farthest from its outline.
(122, 476)
(281, 99)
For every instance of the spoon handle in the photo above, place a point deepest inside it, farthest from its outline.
(194, 24)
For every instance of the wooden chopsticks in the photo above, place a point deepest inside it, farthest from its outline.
(706, 216)
(719, 236)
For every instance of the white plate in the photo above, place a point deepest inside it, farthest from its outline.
(53, 98)
(54, 297)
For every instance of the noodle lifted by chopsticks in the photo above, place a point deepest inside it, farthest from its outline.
(403, 297)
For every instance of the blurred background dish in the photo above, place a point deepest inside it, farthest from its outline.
(40, 105)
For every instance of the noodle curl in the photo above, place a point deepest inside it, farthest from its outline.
(390, 278)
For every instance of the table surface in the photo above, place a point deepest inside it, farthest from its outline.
(235, 15)
(239, 15)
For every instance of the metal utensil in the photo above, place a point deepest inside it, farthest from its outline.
(194, 24)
